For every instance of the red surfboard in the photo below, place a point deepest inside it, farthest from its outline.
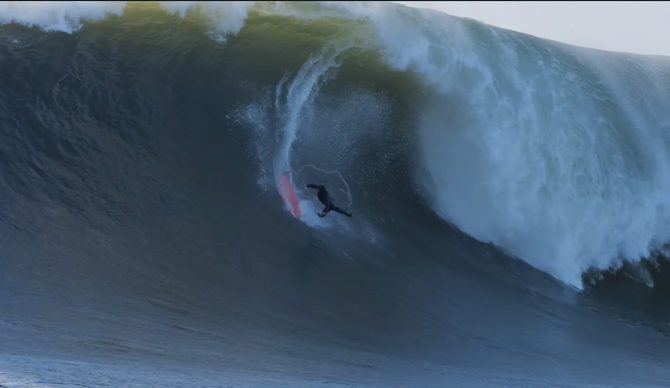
(289, 196)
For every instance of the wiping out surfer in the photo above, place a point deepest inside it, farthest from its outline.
(326, 200)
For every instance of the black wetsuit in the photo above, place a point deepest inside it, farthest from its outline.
(325, 199)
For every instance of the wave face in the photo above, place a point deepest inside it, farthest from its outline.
(142, 150)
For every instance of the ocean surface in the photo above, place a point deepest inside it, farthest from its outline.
(510, 200)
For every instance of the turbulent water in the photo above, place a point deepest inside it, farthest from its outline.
(510, 200)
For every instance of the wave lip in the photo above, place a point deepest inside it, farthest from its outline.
(64, 16)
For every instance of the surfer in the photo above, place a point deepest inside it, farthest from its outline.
(325, 199)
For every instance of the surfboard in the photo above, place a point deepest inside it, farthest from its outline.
(288, 195)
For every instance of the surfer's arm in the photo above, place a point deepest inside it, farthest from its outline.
(312, 186)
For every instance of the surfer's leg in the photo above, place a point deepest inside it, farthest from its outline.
(337, 209)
